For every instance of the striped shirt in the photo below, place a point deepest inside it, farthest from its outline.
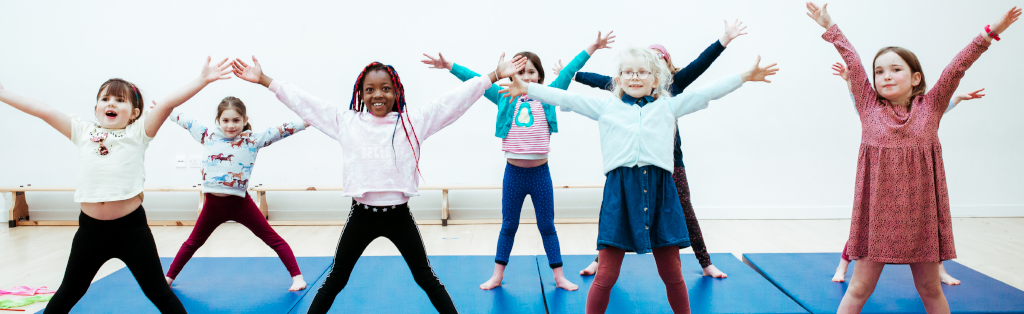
(530, 134)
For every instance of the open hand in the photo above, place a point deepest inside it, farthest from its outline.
(732, 31)
(246, 72)
(215, 73)
(437, 63)
(819, 14)
(1006, 20)
(514, 89)
(840, 69)
(556, 69)
(601, 42)
(758, 73)
(510, 68)
(972, 95)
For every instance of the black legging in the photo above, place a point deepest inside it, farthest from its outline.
(127, 238)
(366, 223)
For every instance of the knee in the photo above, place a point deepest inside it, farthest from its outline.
(929, 291)
(859, 291)
(547, 229)
(509, 227)
(427, 280)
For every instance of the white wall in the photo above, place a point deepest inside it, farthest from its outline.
(780, 150)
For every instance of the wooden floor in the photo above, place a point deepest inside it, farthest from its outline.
(36, 256)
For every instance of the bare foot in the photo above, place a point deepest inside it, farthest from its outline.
(590, 270)
(169, 280)
(492, 283)
(713, 271)
(946, 278)
(297, 283)
(840, 275)
(495, 281)
(561, 282)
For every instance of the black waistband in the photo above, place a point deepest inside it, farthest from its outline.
(360, 206)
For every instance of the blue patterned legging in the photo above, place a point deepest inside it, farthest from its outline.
(518, 183)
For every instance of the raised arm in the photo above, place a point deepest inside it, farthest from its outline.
(198, 131)
(566, 74)
(594, 80)
(685, 76)
(274, 134)
(465, 74)
(860, 85)
(449, 107)
(163, 109)
(317, 112)
(58, 120)
(691, 101)
(948, 81)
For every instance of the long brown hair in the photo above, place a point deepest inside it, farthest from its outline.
(533, 58)
(233, 103)
(120, 88)
(911, 59)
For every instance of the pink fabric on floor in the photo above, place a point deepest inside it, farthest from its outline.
(26, 290)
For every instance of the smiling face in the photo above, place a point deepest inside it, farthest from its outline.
(114, 111)
(529, 74)
(633, 85)
(231, 123)
(895, 80)
(378, 93)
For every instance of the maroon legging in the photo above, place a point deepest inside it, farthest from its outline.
(844, 256)
(218, 210)
(669, 268)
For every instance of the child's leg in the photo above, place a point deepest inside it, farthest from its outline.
(671, 272)
(250, 216)
(926, 280)
(406, 236)
(210, 218)
(88, 253)
(358, 233)
(542, 194)
(591, 269)
(844, 262)
(865, 277)
(601, 288)
(692, 226)
(945, 277)
(513, 193)
(139, 254)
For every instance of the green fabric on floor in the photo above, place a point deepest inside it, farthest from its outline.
(10, 304)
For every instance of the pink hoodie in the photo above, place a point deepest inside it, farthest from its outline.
(375, 171)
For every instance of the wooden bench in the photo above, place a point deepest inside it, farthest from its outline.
(19, 207)
(261, 193)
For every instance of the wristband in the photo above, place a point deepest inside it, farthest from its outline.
(991, 33)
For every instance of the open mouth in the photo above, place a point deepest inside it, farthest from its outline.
(111, 114)
(378, 105)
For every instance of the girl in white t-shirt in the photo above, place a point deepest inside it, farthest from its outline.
(111, 159)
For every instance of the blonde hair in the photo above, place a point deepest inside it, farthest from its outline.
(660, 73)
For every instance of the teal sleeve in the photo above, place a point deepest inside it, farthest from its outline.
(569, 71)
(466, 74)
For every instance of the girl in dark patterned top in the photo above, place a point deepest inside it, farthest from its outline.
(901, 205)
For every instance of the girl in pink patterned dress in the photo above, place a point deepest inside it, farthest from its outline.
(901, 205)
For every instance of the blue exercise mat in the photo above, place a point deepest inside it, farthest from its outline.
(210, 285)
(807, 278)
(383, 284)
(640, 289)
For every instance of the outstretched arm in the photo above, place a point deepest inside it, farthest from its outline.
(566, 74)
(948, 81)
(449, 107)
(690, 102)
(590, 107)
(317, 112)
(58, 120)
(685, 76)
(198, 131)
(210, 73)
(278, 133)
(466, 74)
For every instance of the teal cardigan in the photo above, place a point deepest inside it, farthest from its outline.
(505, 103)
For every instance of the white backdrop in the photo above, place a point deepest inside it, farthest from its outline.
(781, 150)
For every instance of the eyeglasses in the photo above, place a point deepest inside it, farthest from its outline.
(629, 74)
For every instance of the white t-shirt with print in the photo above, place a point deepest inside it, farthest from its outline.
(111, 162)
